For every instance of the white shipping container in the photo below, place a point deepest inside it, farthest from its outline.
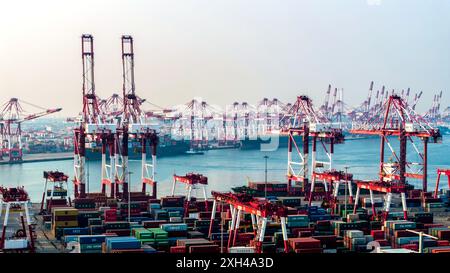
(397, 250)
(355, 234)
(142, 128)
(175, 220)
(195, 215)
(376, 200)
(323, 127)
(16, 244)
(241, 249)
(93, 128)
(412, 128)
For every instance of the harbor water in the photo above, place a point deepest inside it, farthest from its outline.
(225, 168)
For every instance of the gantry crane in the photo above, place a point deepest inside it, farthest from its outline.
(433, 115)
(92, 125)
(112, 107)
(195, 118)
(16, 198)
(11, 118)
(192, 181)
(306, 123)
(134, 124)
(59, 189)
(397, 119)
(441, 172)
(261, 212)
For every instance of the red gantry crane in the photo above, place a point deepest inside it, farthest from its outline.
(306, 123)
(441, 172)
(134, 124)
(58, 192)
(92, 125)
(397, 120)
(192, 181)
(261, 212)
(12, 116)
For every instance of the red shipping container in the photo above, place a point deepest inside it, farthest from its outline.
(383, 242)
(309, 250)
(204, 249)
(119, 232)
(444, 234)
(304, 243)
(329, 241)
(443, 243)
(297, 230)
(304, 233)
(432, 225)
(112, 218)
(411, 246)
(445, 250)
(245, 237)
(377, 234)
(404, 233)
(177, 249)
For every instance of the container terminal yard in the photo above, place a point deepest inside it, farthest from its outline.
(317, 209)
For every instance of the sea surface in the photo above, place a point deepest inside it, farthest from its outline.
(227, 168)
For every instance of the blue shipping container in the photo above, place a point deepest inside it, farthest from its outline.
(91, 239)
(122, 243)
(75, 231)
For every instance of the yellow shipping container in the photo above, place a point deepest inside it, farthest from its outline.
(64, 212)
(65, 224)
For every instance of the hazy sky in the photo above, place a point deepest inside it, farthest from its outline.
(225, 50)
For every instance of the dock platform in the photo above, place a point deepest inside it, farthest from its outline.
(31, 158)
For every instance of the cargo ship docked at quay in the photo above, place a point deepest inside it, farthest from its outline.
(167, 147)
(282, 140)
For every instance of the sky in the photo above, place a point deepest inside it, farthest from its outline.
(225, 50)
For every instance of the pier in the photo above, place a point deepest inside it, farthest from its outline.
(31, 158)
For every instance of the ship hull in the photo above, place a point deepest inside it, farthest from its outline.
(254, 144)
(175, 148)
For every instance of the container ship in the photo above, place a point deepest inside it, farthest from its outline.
(252, 144)
(166, 147)
(444, 129)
